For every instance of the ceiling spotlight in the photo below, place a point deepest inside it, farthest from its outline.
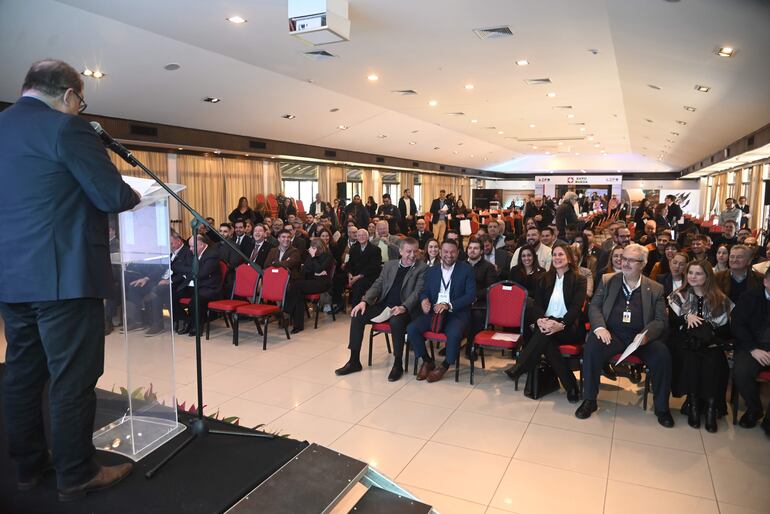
(334, 109)
(455, 152)
(577, 153)
(702, 89)
(582, 129)
(653, 86)
(534, 147)
(372, 78)
(98, 74)
(433, 103)
(180, 148)
(474, 121)
(531, 125)
(288, 116)
(548, 153)
(172, 66)
(522, 62)
(412, 142)
(725, 51)
(500, 132)
(570, 116)
(681, 122)
(688, 108)
(597, 145)
(437, 148)
(87, 72)
(217, 152)
(550, 94)
(342, 127)
(648, 120)
(382, 136)
(236, 19)
(215, 100)
(590, 138)
(468, 86)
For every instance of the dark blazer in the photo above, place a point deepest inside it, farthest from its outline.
(750, 320)
(653, 304)
(182, 261)
(292, 260)
(402, 207)
(247, 244)
(503, 262)
(261, 256)
(565, 215)
(411, 287)
(360, 215)
(518, 275)
(462, 289)
(209, 273)
(229, 255)
(238, 215)
(674, 213)
(573, 289)
(435, 207)
(59, 185)
(326, 208)
(426, 235)
(485, 275)
(722, 278)
(321, 262)
(300, 243)
(367, 263)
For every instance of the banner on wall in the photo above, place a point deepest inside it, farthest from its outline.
(546, 184)
(688, 199)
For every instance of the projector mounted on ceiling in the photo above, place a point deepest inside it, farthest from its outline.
(319, 22)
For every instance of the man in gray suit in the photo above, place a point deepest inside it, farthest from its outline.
(627, 304)
(398, 287)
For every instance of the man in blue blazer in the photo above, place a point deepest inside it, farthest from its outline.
(58, 184)
(450, 289)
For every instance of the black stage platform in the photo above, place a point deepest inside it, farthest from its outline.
(208, 477)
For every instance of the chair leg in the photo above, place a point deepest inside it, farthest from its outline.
(432, 355)
(734, 399)
(227, 320)
(646, 387)
(285, 325)
(406, 357)
(235, 329)
(259, 327)
(457, 369)
(317, 312)
(581, 377)
(307, 310)
(472, 363)
(371, 343)
(387, 342)
(334, 317)
(264, 334)
(481, 354)
(208, 323)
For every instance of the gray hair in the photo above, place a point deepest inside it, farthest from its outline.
(640, 249)
(570, 196)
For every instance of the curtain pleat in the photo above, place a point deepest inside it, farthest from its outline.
(205, 180)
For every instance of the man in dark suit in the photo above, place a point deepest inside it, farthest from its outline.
(262, 246)
(408, 210)
(566, 213)
(285, 255)
(209, 283)
(398, 287)
(358, 212)
(181, 258)
(389, 213)
(449, 291)
(740, 277)
(674, 211)
(364, 266)
(485, 275)
(440, 209)
(229, 256)
(627, 304)
(498, 257)
(421, 234)
(244, 241)
(52, 286)
(540, 212)
(319, 206)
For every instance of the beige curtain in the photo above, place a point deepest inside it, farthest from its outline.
(367, 186)
(156, 161)
(405, 181)
(432, 184)
(377, 186)
(242, 178)
(205, 181)
(328, 177)
(755, 196)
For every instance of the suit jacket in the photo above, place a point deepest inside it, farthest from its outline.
(209, 273)
(261, 256)
(182, 261)
(229, 255)
(573, 289)
(292, 260)
(426, 235)
(435, 208)
(608, 294)
(402, 207)
(750, 319)
(485, 275)
(58, 184)
(360, 215)
(247, 244)
(565, 215)
(502, 262)
(462, 289)
(326, 207)
(753, 279)
(410, 287)
(367, 263)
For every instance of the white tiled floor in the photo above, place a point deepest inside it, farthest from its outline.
(470, 449)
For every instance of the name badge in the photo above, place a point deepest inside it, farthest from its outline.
(347, 258)
(626, 317)
(443, 297)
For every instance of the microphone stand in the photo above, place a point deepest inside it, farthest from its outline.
(199, 426)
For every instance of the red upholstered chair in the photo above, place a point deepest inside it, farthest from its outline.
(222, 271)
(377, 329)
(275, 282)
(244, 293)
(300, 209)
(260, 198)
(315, 298)
(574, 352)
(633, 360)
(506, 303)
(474, 226)
(735, 399)
(438, 337)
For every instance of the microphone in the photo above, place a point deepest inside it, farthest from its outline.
(113, 145)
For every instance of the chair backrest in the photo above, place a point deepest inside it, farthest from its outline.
(428, 217)
(260, 198)
(222, 272)
(506, 303)
(275, 281)
(246, 280)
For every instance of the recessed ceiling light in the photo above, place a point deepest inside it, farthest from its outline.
(500, 132)
(550, 94)
(597, 145)
(471, 155)
(534, 147)
(688, 108)
(412, 142)
(560, 143)
(382, 136)
(342, 127)
(217, 152)
(236, 19)
(98, 74)
(87, 72)
(653, 86)
(590, 138)
(288, 116)
(334, 109)
(725, 51)
(702, 89)
(468, 86)
(681, 122)
(522, 62)
(582, 129)
(531, 125)
(212, 99)
(433, 103)
(246, 155)
(594, 51)
(577, 153)
(455, 152)
(437, 148)
(372, 77)
(474, 121)
(674, 133)
(172, 66)
(570, 116)
(548, 153)
(180, 148)
(648, 120)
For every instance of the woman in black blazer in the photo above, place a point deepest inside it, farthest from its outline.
(286, 208)
(316, 278)
(555, 318)
(527, 271)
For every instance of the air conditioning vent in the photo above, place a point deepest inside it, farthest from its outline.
(330, 153)
(455, 114)
(415, 164)
(404, 92)
(562, 107)
(493, 32)
(319, 55)
(535, 139)
(490, 128)
(750, 141)
(441, 167)
(257, 145)
(538, 82)
(380, 160)
(144, 130)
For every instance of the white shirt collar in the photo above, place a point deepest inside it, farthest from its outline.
(629, 286)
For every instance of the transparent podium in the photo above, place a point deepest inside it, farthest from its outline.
(140, 357)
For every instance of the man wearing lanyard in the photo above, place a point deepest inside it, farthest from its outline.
(615, 322)
(449, 289)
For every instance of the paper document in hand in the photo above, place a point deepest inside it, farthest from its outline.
(143, 186)
(631, 348)
(502, 336)
(382, 317)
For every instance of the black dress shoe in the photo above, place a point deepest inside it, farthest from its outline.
(573, 395)
(693, 416)
(395, 373)
(27, 484)
(634, 375)
(337, 309)
(665, 419)
(711, 416)
(157, 329)
(766, 425)
(685, 410)
(586, 408)
(609, 371)
(750, 418)
(183, 329)
(348, 368)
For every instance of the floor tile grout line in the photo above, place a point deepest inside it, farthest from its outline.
(609, 460)
(711, 474)
(665, 490)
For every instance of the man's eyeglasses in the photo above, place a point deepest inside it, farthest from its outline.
(630, 260)
(83, 104)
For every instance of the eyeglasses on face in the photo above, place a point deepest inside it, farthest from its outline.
(630, 260)
(83, 105)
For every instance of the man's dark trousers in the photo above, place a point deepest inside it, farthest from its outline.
(62, 341)
(398, 326)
